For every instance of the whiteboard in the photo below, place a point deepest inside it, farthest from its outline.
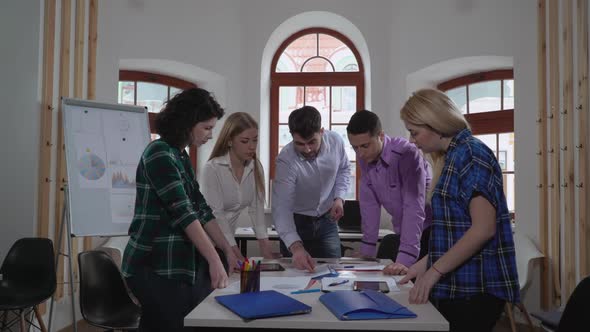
(103, 145)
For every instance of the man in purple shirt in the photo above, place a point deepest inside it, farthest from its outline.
(395, 175)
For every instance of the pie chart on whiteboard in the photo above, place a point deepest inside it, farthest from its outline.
(91, 166)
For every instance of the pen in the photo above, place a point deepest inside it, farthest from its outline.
(336, 283)
(349, 267)
(303, 291)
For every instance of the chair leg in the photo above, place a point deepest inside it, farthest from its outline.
(526, 315)
(39, 319)
(22, 321)
(4, 316)
(508, 309)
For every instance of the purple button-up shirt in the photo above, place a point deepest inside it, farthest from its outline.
(397, 181)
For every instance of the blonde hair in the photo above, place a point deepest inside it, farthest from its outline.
(435, 110)
(236, 124)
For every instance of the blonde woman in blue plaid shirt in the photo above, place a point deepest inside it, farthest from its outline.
(470, 271)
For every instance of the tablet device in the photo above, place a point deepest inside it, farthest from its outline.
(271, 267)
(380, 286)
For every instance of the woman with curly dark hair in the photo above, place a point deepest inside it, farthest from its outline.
(170, 263)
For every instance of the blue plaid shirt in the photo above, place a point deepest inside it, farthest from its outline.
(471, 169)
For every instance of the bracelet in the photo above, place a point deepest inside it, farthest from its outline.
(437, 270)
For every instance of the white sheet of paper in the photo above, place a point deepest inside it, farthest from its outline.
(357, 267)
(320, 269)
(280, 284)
(283, 284)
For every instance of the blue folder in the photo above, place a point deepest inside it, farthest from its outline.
(262, 304)
(368, 304)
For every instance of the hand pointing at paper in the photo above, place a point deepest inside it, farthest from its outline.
(301, 258)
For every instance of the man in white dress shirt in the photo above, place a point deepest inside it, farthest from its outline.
(312, 176)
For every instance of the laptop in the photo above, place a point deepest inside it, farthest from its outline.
(351, 221)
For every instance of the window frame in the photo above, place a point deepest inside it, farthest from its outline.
(490, 122)
(147, 77)
(296, 79)
(500, 121)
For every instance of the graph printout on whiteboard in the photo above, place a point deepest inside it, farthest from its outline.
(103, 145)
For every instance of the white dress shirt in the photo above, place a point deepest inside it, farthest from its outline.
(308, 187)
(228, 197)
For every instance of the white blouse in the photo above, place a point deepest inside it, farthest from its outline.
(228, 198)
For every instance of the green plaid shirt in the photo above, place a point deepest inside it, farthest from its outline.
(168, 200)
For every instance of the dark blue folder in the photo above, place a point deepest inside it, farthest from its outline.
(368, 304)
(262, 304)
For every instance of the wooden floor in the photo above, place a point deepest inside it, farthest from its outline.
(502, 326)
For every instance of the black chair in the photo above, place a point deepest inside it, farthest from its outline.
(104, 298)
(28, 279)
(575, 314)
(388, 247)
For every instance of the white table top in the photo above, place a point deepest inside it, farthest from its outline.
(247, 232)
(209, 313)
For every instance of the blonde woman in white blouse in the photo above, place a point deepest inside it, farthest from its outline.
(233, 180)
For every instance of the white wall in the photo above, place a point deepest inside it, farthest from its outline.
(19, 128)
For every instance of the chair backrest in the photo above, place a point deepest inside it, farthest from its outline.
(32, 261)
(103, 293)
(389, 247)
(526, 254)
(351, 220)
(575, 314)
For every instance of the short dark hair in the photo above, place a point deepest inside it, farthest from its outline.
(181, 113)
(305, 121)
(363, 122)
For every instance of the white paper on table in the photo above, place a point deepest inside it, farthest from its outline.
(320, 269)
(357, 267)
(284, 284)
(391, 283)
(280, 284)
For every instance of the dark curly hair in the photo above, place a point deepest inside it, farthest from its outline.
(305, 121)
(181, 113)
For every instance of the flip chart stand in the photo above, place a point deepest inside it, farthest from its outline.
(65, 219)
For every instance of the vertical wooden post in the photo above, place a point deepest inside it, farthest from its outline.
(91, 86)
(46, 119)
(542, 152)
(582, 108)
(79, 42)
(64, 91)
(554, 155)
(569, 198)
(46, 116)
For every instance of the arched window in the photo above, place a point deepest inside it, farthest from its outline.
(487, 101)
(321, 68)
(151, 90)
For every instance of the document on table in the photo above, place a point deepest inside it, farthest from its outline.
(320, 270)
(284, 285)
(357, 267)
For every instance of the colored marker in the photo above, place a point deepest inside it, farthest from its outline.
(336, 283)
(303, 291)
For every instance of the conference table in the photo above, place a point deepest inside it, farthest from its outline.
(214, 316)
(245, 234)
